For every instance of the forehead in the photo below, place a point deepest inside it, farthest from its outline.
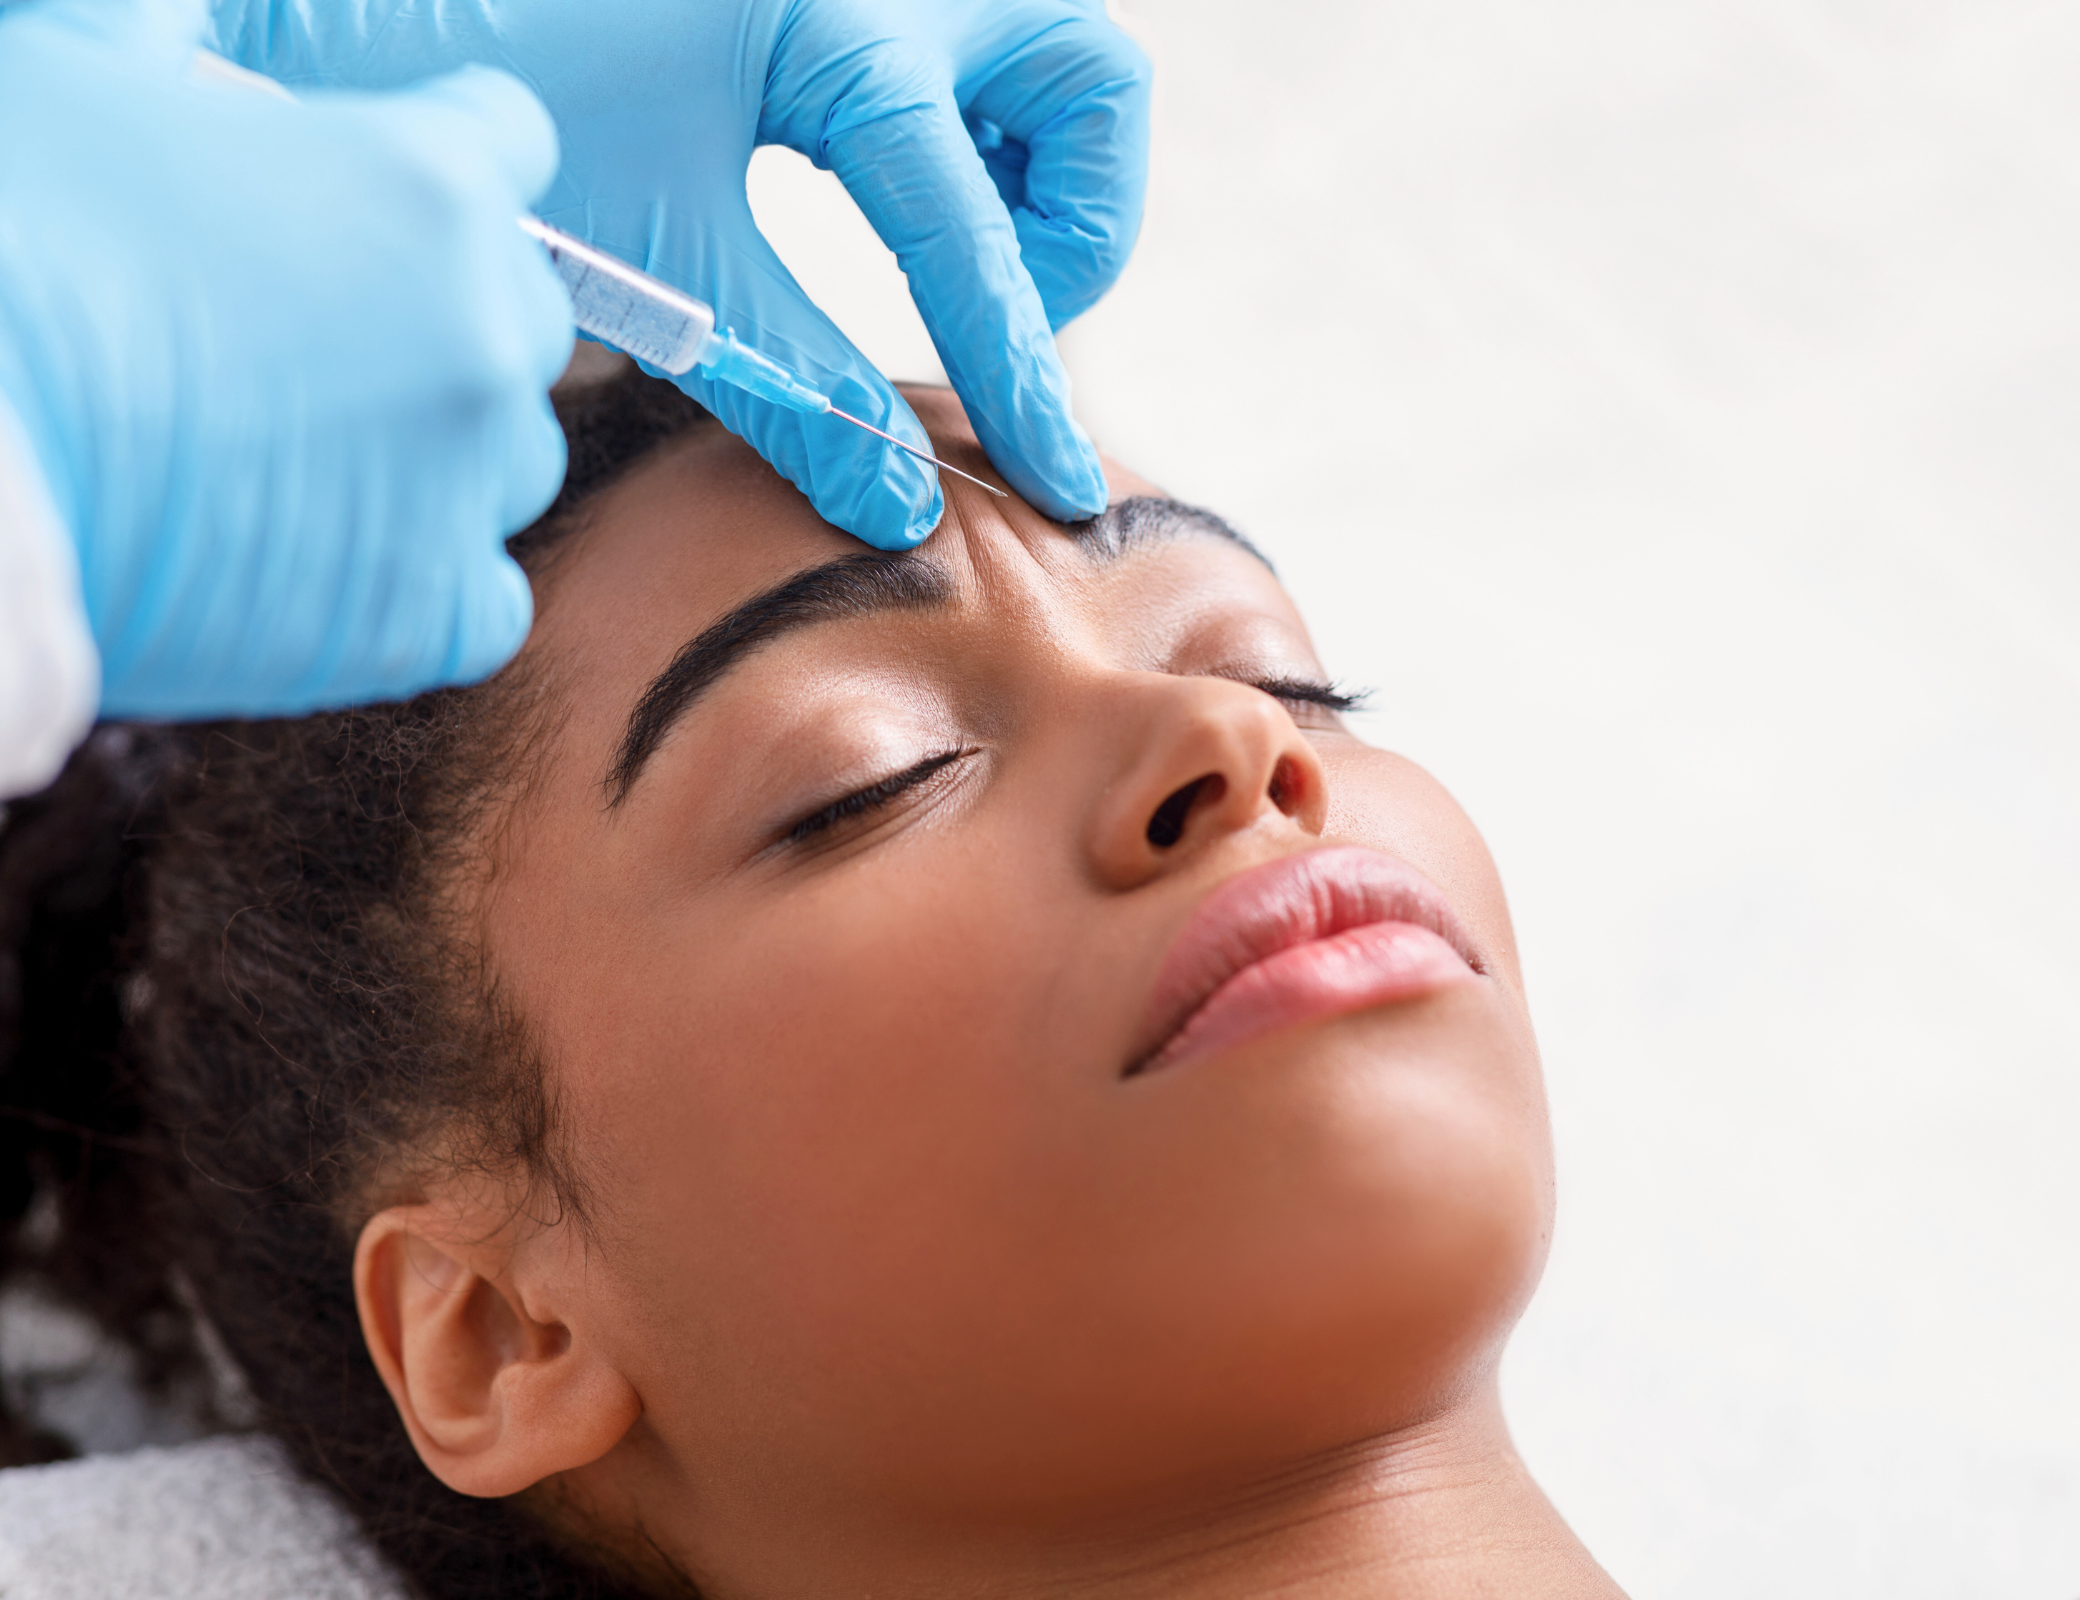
(702, 524)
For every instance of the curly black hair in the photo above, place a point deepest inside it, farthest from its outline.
(228, 993)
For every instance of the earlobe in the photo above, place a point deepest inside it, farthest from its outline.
(495, 1395)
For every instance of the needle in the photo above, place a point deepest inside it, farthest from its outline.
(921, 455)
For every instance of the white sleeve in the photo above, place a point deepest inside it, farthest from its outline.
(50, 676)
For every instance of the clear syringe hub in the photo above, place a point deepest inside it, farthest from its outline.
(727, 359)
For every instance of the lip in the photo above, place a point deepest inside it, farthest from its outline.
(1301, 939)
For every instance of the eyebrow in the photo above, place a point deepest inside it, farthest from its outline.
(862, 585)
(1148, 519)
(865, 584)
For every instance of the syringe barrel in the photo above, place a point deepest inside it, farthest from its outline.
(623, 307)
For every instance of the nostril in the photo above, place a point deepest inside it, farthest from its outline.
(1288, 787)
(1166, 827)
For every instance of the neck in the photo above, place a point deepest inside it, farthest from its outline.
(1443, 1510)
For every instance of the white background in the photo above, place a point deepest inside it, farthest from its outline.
(1671, 407)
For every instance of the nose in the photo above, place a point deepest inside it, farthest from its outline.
(1203, 760)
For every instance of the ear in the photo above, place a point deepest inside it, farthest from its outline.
(483, 1347)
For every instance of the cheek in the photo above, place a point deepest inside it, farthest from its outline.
(825, 1114)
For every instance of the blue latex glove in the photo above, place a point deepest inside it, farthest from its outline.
(285, 366)
(999, 147)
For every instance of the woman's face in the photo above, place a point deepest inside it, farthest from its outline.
(856, 909)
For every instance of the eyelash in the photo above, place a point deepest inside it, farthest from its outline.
(873, 797)
(1307, 692)
(1293, 691)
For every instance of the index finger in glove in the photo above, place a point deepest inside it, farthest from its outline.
(1076, 95)
(902, 152)
(856, 482)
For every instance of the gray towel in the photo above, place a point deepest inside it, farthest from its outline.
(220, 1519)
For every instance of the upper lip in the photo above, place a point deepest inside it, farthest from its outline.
(1294, 900)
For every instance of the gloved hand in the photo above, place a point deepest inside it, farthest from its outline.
(999, 147)
(285, 366)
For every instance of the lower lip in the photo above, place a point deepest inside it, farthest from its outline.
(1380, 964)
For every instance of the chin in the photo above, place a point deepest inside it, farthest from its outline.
(1415, 1220)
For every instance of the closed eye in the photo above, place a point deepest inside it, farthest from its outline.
(1309, 692)
(872, 798)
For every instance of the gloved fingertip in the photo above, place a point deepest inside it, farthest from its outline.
(889, 518)
(555, 344)
(925, 523)
(1066, 482)
(494, 618)
(539, 458)
(1087, 493)
(1093, 500)
(874, 491)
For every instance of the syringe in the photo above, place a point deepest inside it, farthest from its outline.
(632, 311)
